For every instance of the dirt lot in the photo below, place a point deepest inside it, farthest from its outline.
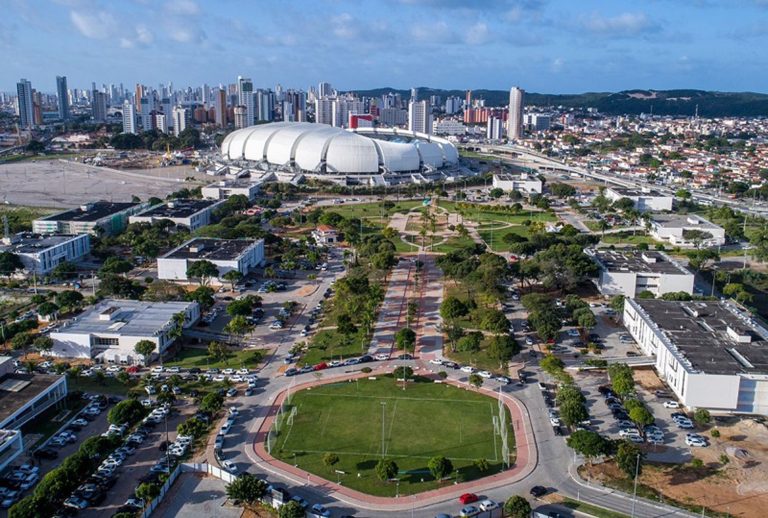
(738, 488)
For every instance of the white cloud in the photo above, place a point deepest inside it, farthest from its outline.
(624, 24)
(183, 7)
(98, 25)
(477, 34)
(186, 34)
(438, 32)
(345, 26)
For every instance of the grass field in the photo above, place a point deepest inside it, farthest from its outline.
(188, 357)
(347, 419)
(372, 210)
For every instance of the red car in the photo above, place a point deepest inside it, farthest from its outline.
(320, 366)
(468, 498)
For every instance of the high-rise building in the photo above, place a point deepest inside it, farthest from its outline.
(393, 117)
(220, 104)
(245, 98)
(324, 90)
(419, 117)
(495, 128)
(25, 104)
(160, 122)
(265, 105)
(63, 94)
(240, 114)
(99, 106)
(538, 121)
(324, 110)
(179, 120)
(414, 94)
(452, 105)
(37, 102)
(129, 118)
(515, 119)
(138, 96)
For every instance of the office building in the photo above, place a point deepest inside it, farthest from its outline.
(393, 117)
(245, 98)
(448, 127)
(223, 189)
(515, 118)
(100, 217)
(25, 104)
(324, 90)
(99, 106)
(109, 331)
(42, 253)
(686, 230)
(241, 117)
(265, 105)
(180, 116)
(129, 118)
(220, 105)
(63, 97)
(192, 214)
(630, 272)
(711, 354)
(243, 255)
(419, 117)
(523, 182)
(644, 199)
(138, 96)
(495, 129)
(537, 121)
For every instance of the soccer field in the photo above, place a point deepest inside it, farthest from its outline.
(358, 420)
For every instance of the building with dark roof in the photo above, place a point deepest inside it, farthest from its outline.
(242, 255)
(91, 218)
(192, 214)
(712, 354)
(630, 272)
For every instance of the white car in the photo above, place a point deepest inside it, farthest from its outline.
(157, 370)
(554, 421)
(114, 368)
(382, 357)
(243, 372)
(228, 372)
(233, 411)
(485, 374)
(468, 369)
(671, 404)
(436, 361)
(173, 370)
(699, 442)
(229, 466)
(488, 505)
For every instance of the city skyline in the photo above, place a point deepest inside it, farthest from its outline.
(551, 47)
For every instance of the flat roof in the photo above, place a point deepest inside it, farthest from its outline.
(637, 261)
(23, 389)
(93, 211)
(638, 193)
(178, 208)
(509, 177)
(699, 330)
(124, 318)
(211, 249)
(29, 243)
(230, 184)
(682, 221)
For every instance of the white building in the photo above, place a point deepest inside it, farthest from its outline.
(100, 217)
(495, 129)
(242, 255)
(109, 331)
(515, 118)
(712, 355)
(225, 188)
(448, 127)
(631, 272)
(685, 230)
(42, 253)
(129, 118)
(420, 117)
(193, 214)
(517, 182)
(538, 121)
(644, 199)
(325, 235)
(179, 120)
(245, 98)
(161, 122)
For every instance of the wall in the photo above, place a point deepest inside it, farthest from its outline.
(70, 345)
(716, 392)
(172, 269)
(671, 283)
(617, 283)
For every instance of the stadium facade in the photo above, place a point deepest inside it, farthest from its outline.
(367, 156)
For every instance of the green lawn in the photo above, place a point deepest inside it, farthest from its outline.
(453, 243)
(479, 359)
(627, 238)
(329, 345)
(486, 213)
(189, 357)
(346, 418)
(495, 238)
(106, 386)
(372, 210)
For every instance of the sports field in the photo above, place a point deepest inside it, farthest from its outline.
(356, 419)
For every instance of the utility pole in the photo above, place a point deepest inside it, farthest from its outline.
(634, 492)
(383, 407)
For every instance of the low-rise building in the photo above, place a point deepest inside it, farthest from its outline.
(644, 199)
(712, 354)
(22, 398)
(325, 235)
(225, 188)
(109, 331)
(192, 214)
(42, 253)
(524, 182)
(629, 272)
(686, 230)
(242, 255)
(100, 217)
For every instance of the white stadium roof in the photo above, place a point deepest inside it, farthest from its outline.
(319, 148)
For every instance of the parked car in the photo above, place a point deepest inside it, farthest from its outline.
(538, 491)
(468, 498)
(671, 404)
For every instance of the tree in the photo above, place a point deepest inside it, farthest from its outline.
(405, 339)
(233, 276)
(22, 342)
(127, 411)
(203, 271)
(440, 467)
(145, 348)
(203, 295)
(646, 294)
(238, 325)
(476, 380)
(43, 343)
(217, 350)
(69, 299)
(386, 469)
(495, 321)
(470, 342)
(291, 510)
(147, 491)
(452, 308)
(624, 204)
(683, 194)
(586, 319)
(517, 507)
(10, 263)
(242, 307)
(330, 459)
(502, 348)
(115, 265)
(123, 377)
(47, 309)
(589, 444)
(402, 372)
(496, 193)
(617, 303)
(562, 190)
(192, 427)
(641, 416)
(345, 325)
(700, 259)
(573, 412)
(702, 416)
(696, 236)
(622, 381)
(246, 488)
(551, 364)
(629, 459)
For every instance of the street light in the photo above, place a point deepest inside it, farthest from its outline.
(383, 407)
(634, 492)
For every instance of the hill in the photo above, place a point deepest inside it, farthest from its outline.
(628, 102)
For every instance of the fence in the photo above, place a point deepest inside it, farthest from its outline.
(163, 490)
(214, 471)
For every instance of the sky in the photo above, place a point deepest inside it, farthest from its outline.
(545, 46)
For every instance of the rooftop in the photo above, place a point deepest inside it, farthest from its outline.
(210, 249)
(90, 212)
(16, 390)
(508, 177)
(638, 193)
(716, 337)
(124, 318)
(29, 243)
(178, 208)
(682, 220)
(637, 261)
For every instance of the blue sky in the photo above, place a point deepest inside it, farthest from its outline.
(548, 46)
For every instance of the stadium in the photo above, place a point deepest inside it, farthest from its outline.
(370, 156)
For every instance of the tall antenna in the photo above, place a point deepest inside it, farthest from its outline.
(6, 228)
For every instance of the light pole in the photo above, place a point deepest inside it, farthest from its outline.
(634, 492)
(383, 408)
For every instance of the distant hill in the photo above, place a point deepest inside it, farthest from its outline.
(628, 102)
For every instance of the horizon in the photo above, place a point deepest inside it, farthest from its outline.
(550, 47)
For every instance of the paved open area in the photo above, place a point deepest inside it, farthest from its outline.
(194, 495)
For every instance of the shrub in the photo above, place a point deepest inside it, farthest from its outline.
(697, 463)
(128, 411)
(366, 370)
(715, 433)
